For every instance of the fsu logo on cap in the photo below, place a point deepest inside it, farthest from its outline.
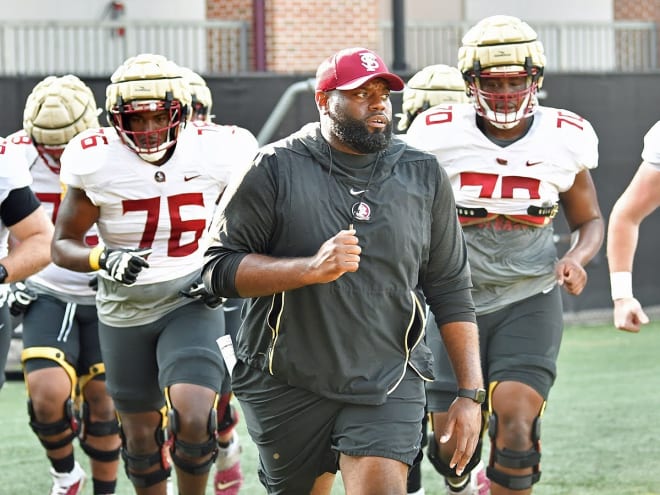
(369, 61)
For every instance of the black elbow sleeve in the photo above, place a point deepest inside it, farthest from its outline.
(219, 274)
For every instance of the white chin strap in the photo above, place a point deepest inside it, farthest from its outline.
(149, 156)
(504, 120)
(502, 125)
(152, 157)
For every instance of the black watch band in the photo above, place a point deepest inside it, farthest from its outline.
(478, 395)
(3, 273)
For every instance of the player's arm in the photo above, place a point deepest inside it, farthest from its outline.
(30, 226)
(640, 199)
(75, 217)
(585, 220)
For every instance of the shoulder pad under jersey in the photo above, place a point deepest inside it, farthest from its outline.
(574, 132)
(87, 152)
(221, 146)
(14, 167)
(21, 139)
(444, 120)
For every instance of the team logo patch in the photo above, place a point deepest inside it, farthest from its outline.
(159, 176)
(361, 211)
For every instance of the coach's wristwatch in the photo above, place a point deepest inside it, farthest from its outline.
(3, 274)
(478, 395)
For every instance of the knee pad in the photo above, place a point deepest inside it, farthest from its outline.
(515, 459)
(142, 462)
(71, 419)
(68, 423)
(433, 454)
(193, 450)
(97, 429)
(52, 354)
(94, 371)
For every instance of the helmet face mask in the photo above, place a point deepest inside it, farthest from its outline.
(148, 127)
(51, 155)
(502, 63)
(504, 95)
(199, 110)
(148, 104)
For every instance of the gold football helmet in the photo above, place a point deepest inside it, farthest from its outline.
(202, 101)
(148, 83)
(502, 51)
(433, 85)
(57, 109)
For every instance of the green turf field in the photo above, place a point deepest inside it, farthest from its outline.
(601, 430)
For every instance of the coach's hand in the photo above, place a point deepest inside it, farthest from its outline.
(124, 265)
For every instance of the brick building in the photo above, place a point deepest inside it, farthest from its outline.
(298, 34)
(293, 36)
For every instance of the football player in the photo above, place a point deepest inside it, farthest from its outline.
(512, 163)
(433, 85)
(201, 99)
(228, 475)
(64, 372)
(24, 218)
(639, 200)
(151, 183)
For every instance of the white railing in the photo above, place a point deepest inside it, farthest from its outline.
(570, 47)
(90, 48)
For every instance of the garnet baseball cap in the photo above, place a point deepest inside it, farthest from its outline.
(350, 68)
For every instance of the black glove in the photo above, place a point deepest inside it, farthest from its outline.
(124, 265)
(198, 291)
(20, 299)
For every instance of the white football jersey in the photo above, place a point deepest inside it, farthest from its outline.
(507, 180)
(651, 151)
(166, 208)
(47, 187)
(14, 174)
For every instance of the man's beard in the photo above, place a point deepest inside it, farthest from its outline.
(355, 134)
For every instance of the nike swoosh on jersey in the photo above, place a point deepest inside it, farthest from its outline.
(223, 486)
(190, 177)
(356, 192)
(531, 164)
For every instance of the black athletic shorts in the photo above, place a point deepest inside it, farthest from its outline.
(518, 343)
(70, 327)
(300, 434)
(180, 347)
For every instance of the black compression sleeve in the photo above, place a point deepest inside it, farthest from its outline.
(19, 204)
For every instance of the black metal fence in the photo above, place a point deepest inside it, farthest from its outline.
(621, 107)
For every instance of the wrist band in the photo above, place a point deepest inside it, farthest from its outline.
(621, 285)
(94, 257)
